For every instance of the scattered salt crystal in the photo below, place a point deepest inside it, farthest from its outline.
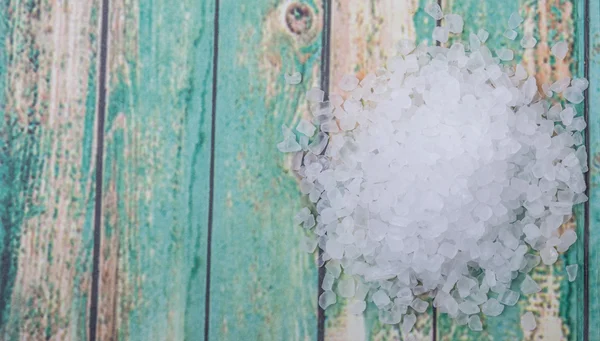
(419, 305)
(474, 42)
(529, 286)
(505, 54)
(309, 244)
(560, 85)
(510, 34)
(289, 145)
(475, 323)
(448, 250)
(408, 322)
(514, 20)
(528, 321)
(306, 128)
(454, 22)
(549, 255)
(528, 41)
(318, 144)
(573, 95)
(572, 271)
(434, 10)
(560, 49)
(568, 238)
(567, 115)
(346, 287)
(380, 298)
(326, 299)
(357, 307)
(348, 83)
(468, 307)
(315, 95)
(328, 281)
(508, 297)
(330, 127)
(333, 268)
(580, 83)
(293, 78)
(492, 307)
(440, 33)
(406, 46)
(482, 35)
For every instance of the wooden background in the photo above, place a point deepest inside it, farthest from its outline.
(141, 193)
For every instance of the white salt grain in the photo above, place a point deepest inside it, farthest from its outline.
(567, 115)
(549, 255)
(580, 83)
(483, 35)
(293, 78)
(510, 34)
(573, 95)
(406, 46)
(514, 20)
(346, 287)
(440, 33)
(492, 307)
(475, 323)
(434, 10)
(505, 54)
(348, 83)
(306, 128)
(408, 322)
(468, 307)
(380, 298)
(326, 299)
(357, 307)
(289, 145)
(572, 272)
(528, 41)
(328, 281)
(529, 286)
(419, 305)
(528, 321)
(454, 23)
(559, 50)
(508, 297)
(560, 85)
(315, 95)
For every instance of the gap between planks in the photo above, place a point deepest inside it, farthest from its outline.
(101, 114)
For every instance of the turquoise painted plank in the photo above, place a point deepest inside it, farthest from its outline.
(559, 307)
(156, 170)
(263, 287)
(48, 57)
(594, 179)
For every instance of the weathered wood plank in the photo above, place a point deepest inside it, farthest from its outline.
(263, 287)
(48, 56)
(594, 184)
(156, 170)
(364, 35)
(559, 307)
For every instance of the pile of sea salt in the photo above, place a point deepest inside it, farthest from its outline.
(446, 174)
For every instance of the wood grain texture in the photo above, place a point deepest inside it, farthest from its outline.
(156, 170)
(364, 35)
(559, 306)
(47, 136)
(594, 162)
(263, 287)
